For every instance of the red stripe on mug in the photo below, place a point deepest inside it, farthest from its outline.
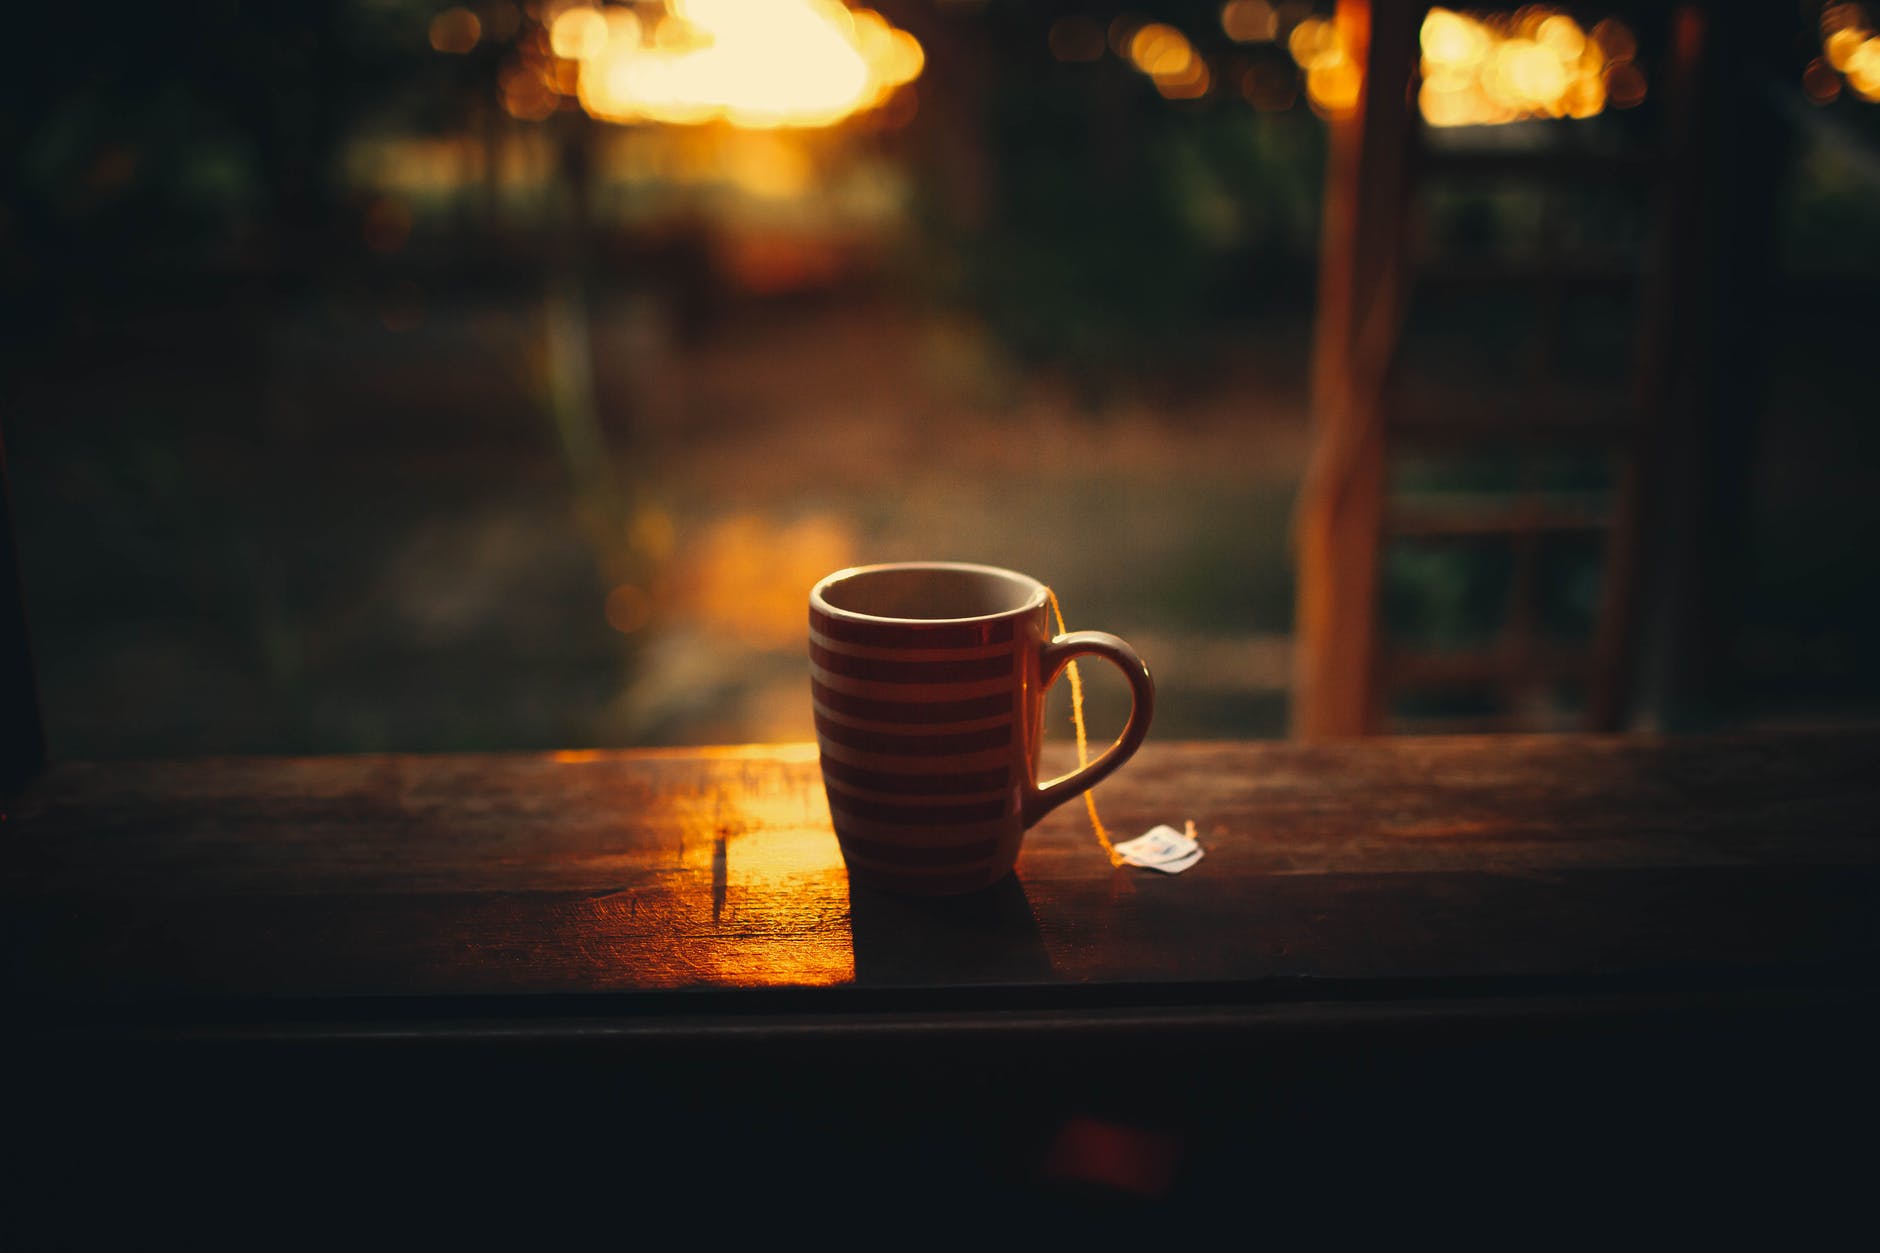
(912, 635)
(918, 784)
(912, 671)
(919, 815)
(909, 710)
(913, 745)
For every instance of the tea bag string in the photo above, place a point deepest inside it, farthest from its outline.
(1083, 739)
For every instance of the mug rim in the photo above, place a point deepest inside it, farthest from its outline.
(1034, 599)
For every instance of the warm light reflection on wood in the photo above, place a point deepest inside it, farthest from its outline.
(739, 868)
(503, 875)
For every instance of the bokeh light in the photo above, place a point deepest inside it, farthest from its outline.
(1171, 62)
(1122, 32)
(1625, 84)
(1314, 42)
(756, 64)
(1190, 84)
(1483, 69)
(524, 91)
(1850, 53)
(1334, 85)
(1249, 21)
(1820, 83)
(1451, 40)
(580, 33)
(1160, 49)
(1842, 44)
(1333, 80)
(456, 31)
(1836, 17)
(1863, 69)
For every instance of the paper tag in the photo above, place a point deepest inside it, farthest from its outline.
(1161, 848)
(1179, 864)
(1158, 844)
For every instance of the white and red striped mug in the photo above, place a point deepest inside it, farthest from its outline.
(929, 680)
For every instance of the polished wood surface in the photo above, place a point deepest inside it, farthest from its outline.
(594, 883)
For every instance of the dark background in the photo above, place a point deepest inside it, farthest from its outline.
(323, 439)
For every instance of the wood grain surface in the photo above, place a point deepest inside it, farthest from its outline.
(1390, 868)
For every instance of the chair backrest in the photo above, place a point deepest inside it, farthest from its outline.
(1371, 420)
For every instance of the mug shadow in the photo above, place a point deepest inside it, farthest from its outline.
(982, 937)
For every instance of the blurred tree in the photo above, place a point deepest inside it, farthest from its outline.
(1116, 224)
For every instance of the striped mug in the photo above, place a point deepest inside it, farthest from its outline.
(929, 680)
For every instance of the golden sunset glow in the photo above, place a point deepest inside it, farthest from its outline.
(744, 575)
(755, 64)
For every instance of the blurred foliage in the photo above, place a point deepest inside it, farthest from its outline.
(1829, 207)
(1119, 225)
(145, 149)
(1446, 594)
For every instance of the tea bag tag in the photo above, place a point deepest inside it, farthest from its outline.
(1162, 848)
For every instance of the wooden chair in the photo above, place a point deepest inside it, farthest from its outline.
(1348, 668)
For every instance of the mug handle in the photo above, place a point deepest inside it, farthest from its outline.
(1052, 659)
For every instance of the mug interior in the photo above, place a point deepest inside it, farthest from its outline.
(930, 593)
